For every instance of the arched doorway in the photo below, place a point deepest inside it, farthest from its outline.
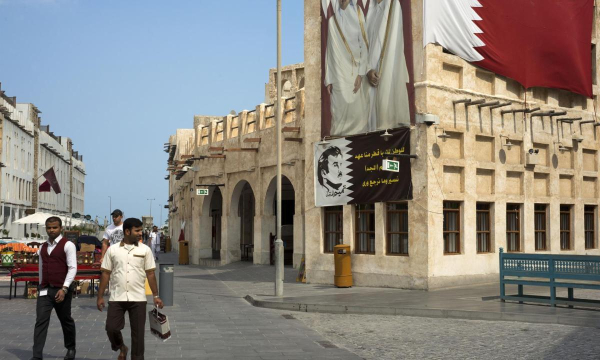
(216, 211)
(246, 214)
(288, 210)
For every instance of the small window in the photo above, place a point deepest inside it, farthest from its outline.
(483, 228)
(365, 229)
(397, 225)
(590, 226)
(540, 216)
(451, 227)
(513, 227)
(334, 230)
(565, 227)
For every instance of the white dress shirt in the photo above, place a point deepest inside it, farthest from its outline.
(127, 265)
(70, 252)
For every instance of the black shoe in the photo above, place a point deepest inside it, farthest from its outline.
(70, 354)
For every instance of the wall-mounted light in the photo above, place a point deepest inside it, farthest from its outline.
(561, 147)
(443, 135)
(508, 144)
(323, 142)
(386, 135)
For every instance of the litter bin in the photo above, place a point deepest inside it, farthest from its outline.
(168, 244)
(165, 283)
(343, 267)
(184, 257)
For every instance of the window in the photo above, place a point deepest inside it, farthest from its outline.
(451, 227)
(590, 226)
(513, 228)
(397, 226)
(565, 227)
(539, 218)
(483, 228)
(365, 229)
(334, 231)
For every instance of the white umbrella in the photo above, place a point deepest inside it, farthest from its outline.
(38, 218)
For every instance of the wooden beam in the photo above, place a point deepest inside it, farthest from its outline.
(254, 140)
(293, 139)
(216, 156)
(291, 129)
(187, 156)
(216, 148)
(242, 149)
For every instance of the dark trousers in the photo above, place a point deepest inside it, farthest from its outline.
(115, 322)
(44, 307)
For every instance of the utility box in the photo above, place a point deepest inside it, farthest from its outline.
(184, 253)
(532, 159)
(343, 266)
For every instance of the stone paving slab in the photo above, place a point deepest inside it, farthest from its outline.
(209, 320)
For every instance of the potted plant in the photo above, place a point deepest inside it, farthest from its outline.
(8, 256)
(5, 232)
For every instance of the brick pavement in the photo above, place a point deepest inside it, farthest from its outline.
(209, 320)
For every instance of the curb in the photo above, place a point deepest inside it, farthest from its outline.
(425, 312)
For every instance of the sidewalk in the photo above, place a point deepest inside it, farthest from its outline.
(256, 284)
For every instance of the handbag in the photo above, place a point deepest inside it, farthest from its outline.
(159, 324)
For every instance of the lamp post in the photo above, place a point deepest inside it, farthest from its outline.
(150, 206)
(278, 242)
(160, 223)
(109, 206)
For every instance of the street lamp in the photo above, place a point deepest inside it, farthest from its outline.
(109, 206)
(279, 242)
(160, 223)
(150, 206)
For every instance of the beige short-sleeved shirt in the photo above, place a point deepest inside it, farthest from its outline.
(127, 265)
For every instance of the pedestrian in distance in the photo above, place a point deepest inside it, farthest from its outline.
(113, 233)
(155, 242)
(57, 270)
(127, 266)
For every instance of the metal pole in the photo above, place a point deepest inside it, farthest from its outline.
(278, 242)
(165, 283)
(150, 206)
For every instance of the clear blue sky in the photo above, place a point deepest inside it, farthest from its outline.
(118, 77)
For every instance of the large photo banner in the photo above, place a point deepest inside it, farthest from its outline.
(351, 170)
(367, 65)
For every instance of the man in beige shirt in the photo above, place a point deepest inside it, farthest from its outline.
(127, 265)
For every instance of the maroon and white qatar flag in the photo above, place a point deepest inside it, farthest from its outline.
(539, 43)
(51, 178)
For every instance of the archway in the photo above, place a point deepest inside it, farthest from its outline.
(288, 210)
(216, 211)
(241, 222)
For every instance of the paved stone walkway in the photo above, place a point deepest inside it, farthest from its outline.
(209, 320)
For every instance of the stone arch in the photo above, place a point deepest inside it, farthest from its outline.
(286, 88)
(290, 225)
(240, 223)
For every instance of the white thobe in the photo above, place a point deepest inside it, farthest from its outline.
(389, 100)
(349, 110)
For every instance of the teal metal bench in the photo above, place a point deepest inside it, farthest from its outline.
(552, 271)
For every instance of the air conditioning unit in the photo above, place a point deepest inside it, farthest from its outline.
(532, 159)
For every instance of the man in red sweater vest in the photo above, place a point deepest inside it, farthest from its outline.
(58, 267)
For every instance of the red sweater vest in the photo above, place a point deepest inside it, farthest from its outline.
(54, 266)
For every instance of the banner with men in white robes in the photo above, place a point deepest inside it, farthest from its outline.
(366, 59)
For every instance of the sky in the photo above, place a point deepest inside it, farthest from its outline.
(118, 77)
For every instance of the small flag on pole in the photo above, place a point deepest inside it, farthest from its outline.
(51, 182)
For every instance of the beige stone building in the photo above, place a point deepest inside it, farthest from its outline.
(485, 177)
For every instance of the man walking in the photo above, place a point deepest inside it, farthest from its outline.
(114, 232)
(57, 270)
(127, 265)
(155, 242)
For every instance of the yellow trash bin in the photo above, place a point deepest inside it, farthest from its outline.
(184, 258)
(343, 267)
(168, 244)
